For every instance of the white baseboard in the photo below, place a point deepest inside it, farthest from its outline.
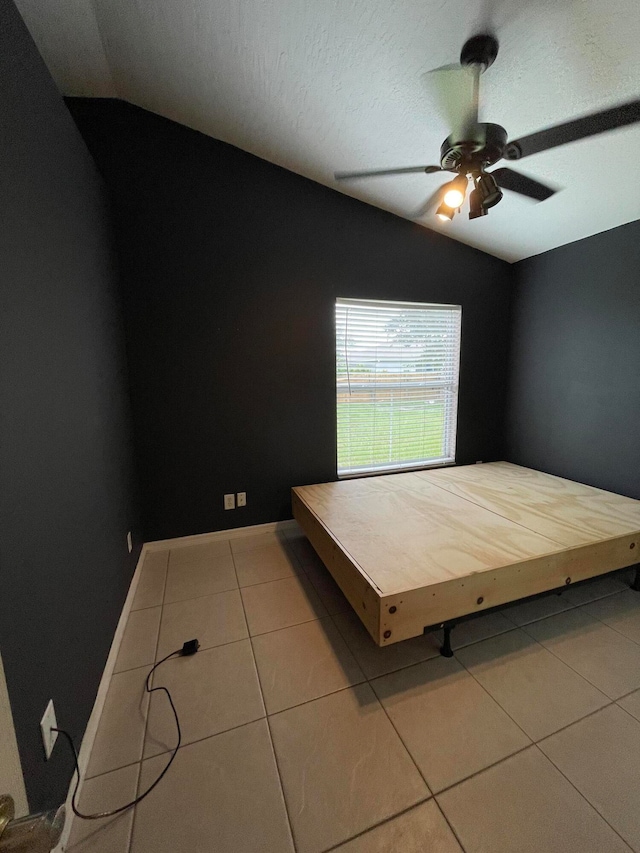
(94, 719)
(11, 777)
(232, 533)
(98, 705)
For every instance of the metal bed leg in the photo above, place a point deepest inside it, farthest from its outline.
(446, 651)
(636, 582)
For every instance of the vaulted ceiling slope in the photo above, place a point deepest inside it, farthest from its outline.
(332, 85)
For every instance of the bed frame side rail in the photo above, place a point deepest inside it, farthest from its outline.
(360, 593)
(404, 615)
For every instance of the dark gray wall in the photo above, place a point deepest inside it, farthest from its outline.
(231, 267)
(65, 483)
(575, 363)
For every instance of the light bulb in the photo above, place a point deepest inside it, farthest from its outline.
(445, 213)
(455, 191)
(453, 198)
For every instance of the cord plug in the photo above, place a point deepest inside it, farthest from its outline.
(190, 648)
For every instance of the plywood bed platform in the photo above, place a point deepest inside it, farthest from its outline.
(425, 548)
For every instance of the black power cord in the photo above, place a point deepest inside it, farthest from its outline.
(189, 648)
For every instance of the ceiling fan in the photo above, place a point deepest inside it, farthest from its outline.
(474, 146)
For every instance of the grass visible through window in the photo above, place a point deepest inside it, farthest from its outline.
(379, 433)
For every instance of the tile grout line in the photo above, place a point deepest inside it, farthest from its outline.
(203, 738)
(628, 713)
(200, 649)
(521, 749)
(138, 665)
(266, 718)
(524, 749)
(620, 634)
(376, 825)
(550, 616)
(580, 794)
(316, 698)
(368, 680)
(193, 598)
(575, 722)
(231, 642)
(284, 628)
(140, 609)
(301, 568)
(209, 648)
(484, 769)
(571, 606)
(567, 664)
(598, 619)
(431, 794)
(205, 595)
(138, 762)
(365, 680)
(295, 624)
(493, 699)
(540, 618)
(531, 741)
(535, 742)
(114, 770)
(536, 745)
(626, 695)
(512, 627)
(449, 824)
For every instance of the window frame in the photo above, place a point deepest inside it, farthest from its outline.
(396, 467)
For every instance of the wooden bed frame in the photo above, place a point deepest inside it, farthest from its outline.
(414, 550)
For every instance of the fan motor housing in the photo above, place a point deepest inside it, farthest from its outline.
(479, 50)
(463, 155)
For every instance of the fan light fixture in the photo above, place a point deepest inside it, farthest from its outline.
(475, 205)
(445, 213)
(473, 146)
(454, 194)
(488, 190)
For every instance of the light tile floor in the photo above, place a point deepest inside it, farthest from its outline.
(300, 734)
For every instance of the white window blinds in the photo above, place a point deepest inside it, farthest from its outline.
(397, 367)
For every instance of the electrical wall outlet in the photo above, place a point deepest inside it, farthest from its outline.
(129, 542)
(229, 501)
(242, 498)
(47, 723)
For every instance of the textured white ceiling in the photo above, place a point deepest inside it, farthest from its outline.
(324, 85)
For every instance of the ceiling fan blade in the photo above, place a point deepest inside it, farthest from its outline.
(434, 199)
(455, 90)
(406, 170)
(571, 131)
(518, 183)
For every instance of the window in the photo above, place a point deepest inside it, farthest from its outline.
(397, 367)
